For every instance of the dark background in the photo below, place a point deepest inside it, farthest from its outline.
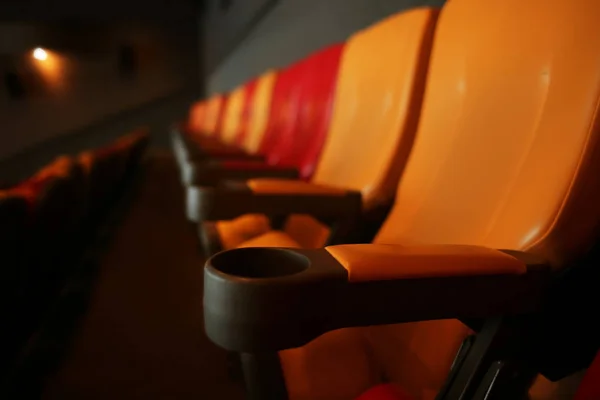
(120, 64)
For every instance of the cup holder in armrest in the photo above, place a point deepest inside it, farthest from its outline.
(260, 290)
(260, 262)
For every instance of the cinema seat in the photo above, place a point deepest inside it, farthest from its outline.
(373, 122)
(131, 147)
(106, 168)
(298, 121)
(207, 141)
(38, 219)
(234, 118)
(196, 116)
(48, 222)
(213, 117)
(211, 141)
(507, 156)
(250, 131)
(55, 211)
(199, 160)
(201, 124)
(14, 223)
(298, 129)
(14, 219)
(257, 113)
(98, 170)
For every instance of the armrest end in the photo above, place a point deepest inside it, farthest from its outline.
(231, 199)
(269, 299)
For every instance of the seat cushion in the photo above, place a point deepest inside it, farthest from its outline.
(234, 232)
(307, 231)
(303, 230)
(335, 366)
(345, 363)
(271, 239)
(417, 356)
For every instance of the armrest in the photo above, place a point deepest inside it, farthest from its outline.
(269, 299)
(285, 187)
(272, 197)
(210, 173)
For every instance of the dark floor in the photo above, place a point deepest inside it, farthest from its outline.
(142, 335)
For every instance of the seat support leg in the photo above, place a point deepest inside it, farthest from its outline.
(497, 340)
(263, 376)
(506, 380)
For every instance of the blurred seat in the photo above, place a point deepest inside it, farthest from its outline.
(297, 126)
(373, 121)
(106, 167)
(55, 209)
(47, 225)
(195, 142)
(506, 156)
(194, 147)
(132, 147)
(235, 114)
(196, 116)
(197, 146)
(14, 220)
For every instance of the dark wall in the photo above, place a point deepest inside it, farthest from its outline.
(294, 28)
(225, 23)
(105, 58)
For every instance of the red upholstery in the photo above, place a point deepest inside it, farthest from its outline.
(284, 110)
(30, 189)
(299, 118)
(221, 116)
(386, 391)
(319, 76)
(249, 91)
(590, 385)
(301, 110)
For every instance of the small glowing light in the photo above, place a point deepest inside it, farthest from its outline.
(40, 54)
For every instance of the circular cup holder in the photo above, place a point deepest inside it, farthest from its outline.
(260, 262)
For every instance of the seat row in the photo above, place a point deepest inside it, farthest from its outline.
(329, 119)
(47, 221)
(472, 133)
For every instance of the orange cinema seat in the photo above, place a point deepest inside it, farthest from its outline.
(373, 121)
(506, 156)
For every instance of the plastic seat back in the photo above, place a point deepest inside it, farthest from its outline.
(196, 117)
(232, 115)
(218, 132)
(245, 112)
(258, 111)
(283, 115)
(377, 101)
(302, 144)
(212, 114)
(506, 155)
